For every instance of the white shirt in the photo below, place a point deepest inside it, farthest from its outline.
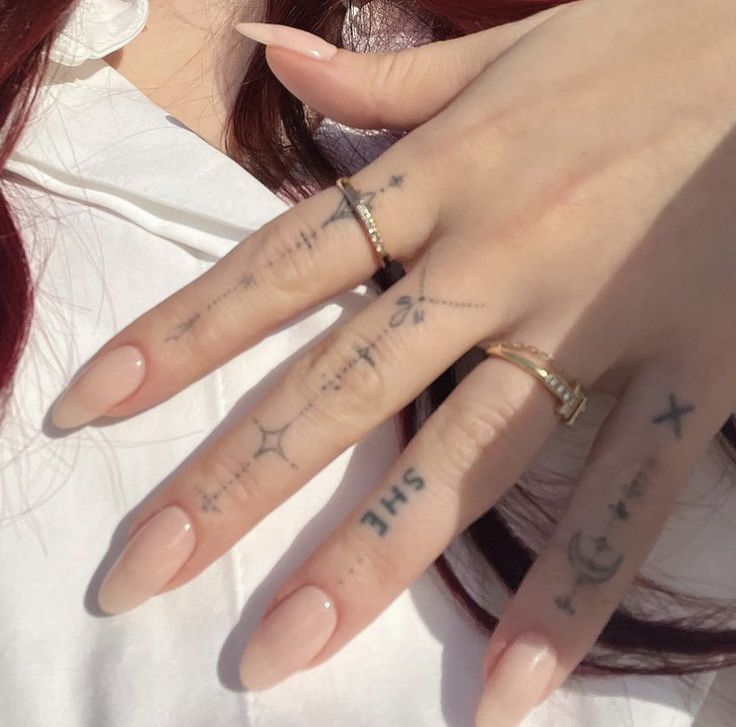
(120, 205)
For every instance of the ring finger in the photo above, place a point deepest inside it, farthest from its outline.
(466, 455)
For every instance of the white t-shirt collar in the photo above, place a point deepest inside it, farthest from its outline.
(97, 138)
(96, 28)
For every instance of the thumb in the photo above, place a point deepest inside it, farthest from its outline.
(382, 90)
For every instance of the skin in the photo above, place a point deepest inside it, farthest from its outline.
(569, 181)
(189, 61)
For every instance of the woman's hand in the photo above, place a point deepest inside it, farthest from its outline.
(570, 185)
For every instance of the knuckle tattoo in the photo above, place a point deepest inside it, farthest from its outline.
(225, 479)
(349, 363)
(285, 258)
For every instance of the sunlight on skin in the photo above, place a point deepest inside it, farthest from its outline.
(196, 78)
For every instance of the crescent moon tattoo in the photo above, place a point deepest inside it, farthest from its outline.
(588, 568)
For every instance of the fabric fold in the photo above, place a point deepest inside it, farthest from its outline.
(132, 175)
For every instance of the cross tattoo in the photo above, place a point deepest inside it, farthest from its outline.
(675, 413)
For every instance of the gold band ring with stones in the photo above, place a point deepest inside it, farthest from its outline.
(363, 214)
(570, 393)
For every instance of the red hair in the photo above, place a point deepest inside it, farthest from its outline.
(26, 31)
(271, 133)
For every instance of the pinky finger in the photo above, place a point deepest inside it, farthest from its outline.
(638, 464)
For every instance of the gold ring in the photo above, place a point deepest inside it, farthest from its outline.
(569, 391)
(363, 214)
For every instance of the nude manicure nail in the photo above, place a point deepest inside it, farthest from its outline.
(288, 638)
(292, 39)
(517, 682)
(150, 560)
(105, 382)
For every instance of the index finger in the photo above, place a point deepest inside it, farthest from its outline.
(301, 258)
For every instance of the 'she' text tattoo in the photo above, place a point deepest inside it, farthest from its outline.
(394, 501)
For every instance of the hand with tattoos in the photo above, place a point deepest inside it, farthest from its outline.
(567, 181)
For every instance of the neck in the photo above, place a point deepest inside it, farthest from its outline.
(189, 61)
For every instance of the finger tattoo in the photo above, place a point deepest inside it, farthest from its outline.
(380, 516)
(593, 558)
(304, 240)
(411, 309)
(344, 211)
(674, 414)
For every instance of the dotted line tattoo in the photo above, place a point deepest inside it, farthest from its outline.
(593, 558)
(273, 439)
(208, 502)
(305, 240)
(412, 309)
(244, 282)
(599, 563)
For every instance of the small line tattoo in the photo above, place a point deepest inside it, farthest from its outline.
(208, 502)
(620, 510)
(306, 240)
(179, 330)
(245, 281)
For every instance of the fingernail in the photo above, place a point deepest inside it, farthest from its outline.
(517, 682)
(150, 560)
(292, 39)
(288, 638)
(105, 382)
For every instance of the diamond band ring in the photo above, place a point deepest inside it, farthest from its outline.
(568, 391)
(363, 214)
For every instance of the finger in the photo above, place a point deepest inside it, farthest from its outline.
(640, 460)
(467, 454)
(340, 390)
(307, 255)
(384, 90)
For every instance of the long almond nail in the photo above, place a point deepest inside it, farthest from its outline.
(517, 682)
(105, 382)
(150, 560)
(289, 638)
(292, 39)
